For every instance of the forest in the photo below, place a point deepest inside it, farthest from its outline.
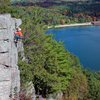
(85, 10)
(50, 67)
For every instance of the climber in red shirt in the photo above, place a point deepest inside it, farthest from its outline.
(18, 34)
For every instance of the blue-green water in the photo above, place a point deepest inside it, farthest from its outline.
(84, 42)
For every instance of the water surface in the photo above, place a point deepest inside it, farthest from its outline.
(84, 42)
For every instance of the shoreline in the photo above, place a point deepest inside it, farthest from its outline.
(71, 25)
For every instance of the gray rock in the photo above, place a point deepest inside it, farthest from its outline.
(9, 71)
(3, 23)
(18, 22)
(3, 35)
(5, 90)
(4, 47)
(5, 73)
(55, 96)
(5, 59)
(30, 90)
(20, 49)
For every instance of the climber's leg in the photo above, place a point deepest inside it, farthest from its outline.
(16, 38)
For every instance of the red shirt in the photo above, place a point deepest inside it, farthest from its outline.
(19, 33)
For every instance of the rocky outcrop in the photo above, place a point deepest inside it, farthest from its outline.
(9, 72)
(55, 96)
(30, 91)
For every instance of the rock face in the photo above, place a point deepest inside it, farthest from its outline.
(9, 72)
(30, 90)
(55, 96)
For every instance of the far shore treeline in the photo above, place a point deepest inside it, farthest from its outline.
(50, 67)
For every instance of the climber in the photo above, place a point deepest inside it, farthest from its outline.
(18, 35)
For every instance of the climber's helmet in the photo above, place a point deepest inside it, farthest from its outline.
(18, 29)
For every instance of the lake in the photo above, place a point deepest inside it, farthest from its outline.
(84, 42)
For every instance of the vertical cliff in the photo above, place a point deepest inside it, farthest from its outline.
(9, 72)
